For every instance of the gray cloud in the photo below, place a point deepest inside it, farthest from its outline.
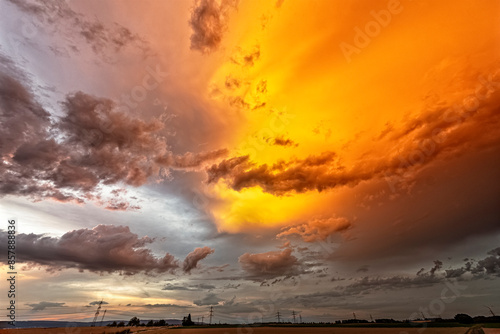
(192, 259)
(43, 305)
(209, 299)
(93, 144)
(488, 266)
(105, 248)
(57, 17)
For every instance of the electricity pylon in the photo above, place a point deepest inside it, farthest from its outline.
(96, 314)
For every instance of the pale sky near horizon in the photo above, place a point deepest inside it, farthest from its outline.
(322, 157)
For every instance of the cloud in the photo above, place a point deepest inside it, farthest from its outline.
(318, 228)
(443, 131)
(163, 306)
(43, 305)
(437, 265)
(57, 17)
(192, 259)
(209, 23)
(363, 269)
(91, 145)
(370, 284)
(490, 265)
(209, 299)
(104, 248)
(270, 264)
(97, 302)
(196, 287)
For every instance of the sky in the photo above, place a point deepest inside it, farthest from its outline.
(316, 157)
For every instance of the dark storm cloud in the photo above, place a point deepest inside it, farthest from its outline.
(56, 16)
(488, 266)
(491, 264)
(371, 284)
(93, 144)
(439, 132)
(192, 259)
(225, 167)
(43, 305)
(209, 23)
(195, 287)
(162, 306)
(270, 264)
(282, 141)
(105, 248)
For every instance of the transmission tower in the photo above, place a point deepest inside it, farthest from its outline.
(293, 314)
(491, 311)
(202, 317)
(371, 317)
(354, 314)
(211, 313)
(102, 319)
(96, 314)
(278, 315)
(300, 317)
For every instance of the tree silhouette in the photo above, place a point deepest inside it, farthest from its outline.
(134, 322)
(160, 323)
(187, 321)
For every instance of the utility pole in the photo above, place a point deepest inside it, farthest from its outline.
(96, 314)
(211, 313)
(293, 314)
(278, 315)
(102, 319)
